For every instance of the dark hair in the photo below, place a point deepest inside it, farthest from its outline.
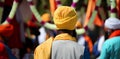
(35, 31)
(108, 33)
(70, 32)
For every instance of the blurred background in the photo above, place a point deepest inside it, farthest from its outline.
(28, 33)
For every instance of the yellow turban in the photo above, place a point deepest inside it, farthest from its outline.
(46, 17)
(65, 18)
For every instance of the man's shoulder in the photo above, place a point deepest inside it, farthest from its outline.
(68, 43)
(61, 45)
(112, 40)
(45, 44)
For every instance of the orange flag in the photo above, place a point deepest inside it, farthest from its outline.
(53, 6)
(98, 21)
(89, 41)
(90, 9)
(118, 7)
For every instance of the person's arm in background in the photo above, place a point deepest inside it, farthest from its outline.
(86, 53)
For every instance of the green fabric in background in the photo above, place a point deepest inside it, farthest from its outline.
(1, 10)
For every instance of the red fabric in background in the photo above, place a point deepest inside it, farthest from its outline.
(118, 7)
(6, 30)
(1, 4)
(8, 2)
(3, 52)
(15, 40)
(114, 34)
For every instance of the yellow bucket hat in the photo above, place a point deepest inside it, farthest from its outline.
(65, 18)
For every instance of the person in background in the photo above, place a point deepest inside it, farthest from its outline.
(44, 34)
(34, 31)
(5, 32)
(63, 45)
(111, 47)
(28, 47)
(99, 43)
(85, 40)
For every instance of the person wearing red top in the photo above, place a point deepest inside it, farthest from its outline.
(5, 32)
(3, 52)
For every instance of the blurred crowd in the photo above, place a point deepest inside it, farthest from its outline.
(19, 39)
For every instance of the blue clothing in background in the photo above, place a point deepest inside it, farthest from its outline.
(86, 53)
(11, 56)
(111, 49)
(95, 49)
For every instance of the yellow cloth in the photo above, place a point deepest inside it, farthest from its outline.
(64, 36)
(65, 18)
(43, 51)
(78, 24)
(45, 17)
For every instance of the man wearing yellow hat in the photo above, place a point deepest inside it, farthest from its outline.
(64, 45)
